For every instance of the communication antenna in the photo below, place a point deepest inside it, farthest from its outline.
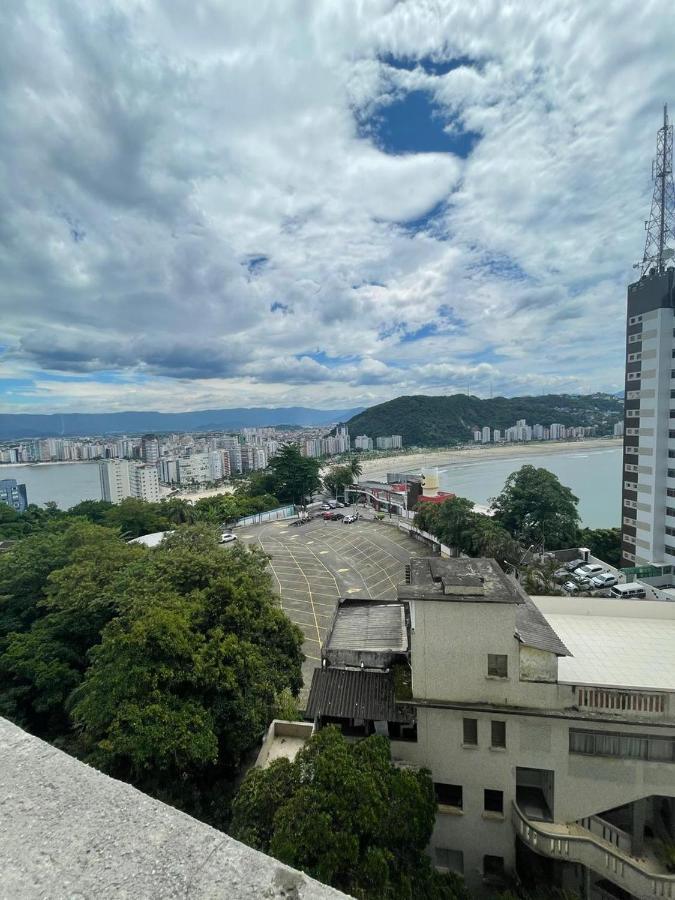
(661, 225)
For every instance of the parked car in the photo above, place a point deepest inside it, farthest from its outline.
(571, 587)
(227, 537)
(604, 580)
(340, 504)
(329, 515)
(349, 519)
(632, 590)
(588, 571)
(338, 516)
(561, 575)
(574, 564)
(326, 506)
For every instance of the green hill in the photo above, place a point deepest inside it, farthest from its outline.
(439, 421)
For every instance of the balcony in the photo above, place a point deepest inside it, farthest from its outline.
(606, 856)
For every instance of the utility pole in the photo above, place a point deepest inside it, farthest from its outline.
(660, 226)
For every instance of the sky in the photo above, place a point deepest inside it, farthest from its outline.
(326, 203)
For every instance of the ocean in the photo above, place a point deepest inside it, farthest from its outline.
(64, 483)
(594, 476)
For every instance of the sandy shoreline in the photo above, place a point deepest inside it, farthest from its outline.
(414, 462)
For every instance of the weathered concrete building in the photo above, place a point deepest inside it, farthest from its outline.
(549, 727)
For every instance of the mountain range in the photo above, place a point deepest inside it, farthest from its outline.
(14, 426)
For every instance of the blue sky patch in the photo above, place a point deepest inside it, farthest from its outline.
(427, 64)
(278, 306)
(425, 331)
(255, 264)
(413, 123)
(323, 359)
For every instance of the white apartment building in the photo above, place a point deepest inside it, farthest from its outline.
(648, 501)
(485, 434)
(496, 435)
(392, 442)
(168, 470)
(195, 469)
(120, 479)
(312, 448)
(114, 479)
(234, 454)
(363, 442)
(548, 726)
(557, 431)
(477, 435)
(144, 482)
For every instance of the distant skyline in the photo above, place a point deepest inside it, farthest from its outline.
(326, 204)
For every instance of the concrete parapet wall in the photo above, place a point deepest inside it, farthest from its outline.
(67, 830)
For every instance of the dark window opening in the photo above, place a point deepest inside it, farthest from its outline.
(470, 735)
(493, 866)
(498, 734)
(498, 665)
(493, 801)
(449, 794)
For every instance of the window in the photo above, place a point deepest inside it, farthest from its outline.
(493, 866)
(493, 801)
(452, 860)
(498, 665)
(623, 746)
(498, 734)
(449, 794)
(634, 338)
(470, 734)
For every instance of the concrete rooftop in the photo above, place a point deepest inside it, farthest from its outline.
(68, 831)
(614, 643)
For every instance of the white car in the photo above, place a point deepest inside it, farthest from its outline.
(227, 537)
(326, 507)
(349, 519)
(571, 587)
(588, 571)
(604, 580)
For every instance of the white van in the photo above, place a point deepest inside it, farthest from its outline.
(630, 591)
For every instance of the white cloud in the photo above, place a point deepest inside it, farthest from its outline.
(149, 151)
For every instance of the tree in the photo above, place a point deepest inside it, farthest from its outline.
(294, 477)
(186, 678)
(94, 510)
(537, 509)
(605, 543)
(337, 478)
(178, 511)
(134, 517)
(355, 467)
(344, 814)
(52, 620)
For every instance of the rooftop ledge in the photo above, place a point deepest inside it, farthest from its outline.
(68, 830)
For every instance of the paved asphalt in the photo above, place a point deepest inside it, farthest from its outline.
(313, 566)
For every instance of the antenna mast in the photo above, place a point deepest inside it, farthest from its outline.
(661, 225)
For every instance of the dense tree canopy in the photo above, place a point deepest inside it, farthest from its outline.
(427, 421)
(455, 523)
(338, 477)
(290, 476)
(605, 543)
(344, 814)
(537, 509)
(162, 666)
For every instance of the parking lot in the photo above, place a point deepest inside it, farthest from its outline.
(314, 565)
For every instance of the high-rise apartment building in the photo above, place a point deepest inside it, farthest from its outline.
(486, 434)
(114, 477)
(144, 482)
(648, 500)
(13, 494)
(150, 448)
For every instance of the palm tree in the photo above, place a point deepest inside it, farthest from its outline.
(355, 467)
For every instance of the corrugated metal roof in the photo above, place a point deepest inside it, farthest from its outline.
(533, 630)
(353, 694)
(369, 627)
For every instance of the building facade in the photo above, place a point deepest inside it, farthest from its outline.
(114, 479)
(549, 732)
(13, 494)
(648, 498)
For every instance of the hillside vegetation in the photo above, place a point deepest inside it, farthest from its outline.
(440, 421)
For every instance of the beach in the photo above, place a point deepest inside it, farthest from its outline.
(429, 459)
